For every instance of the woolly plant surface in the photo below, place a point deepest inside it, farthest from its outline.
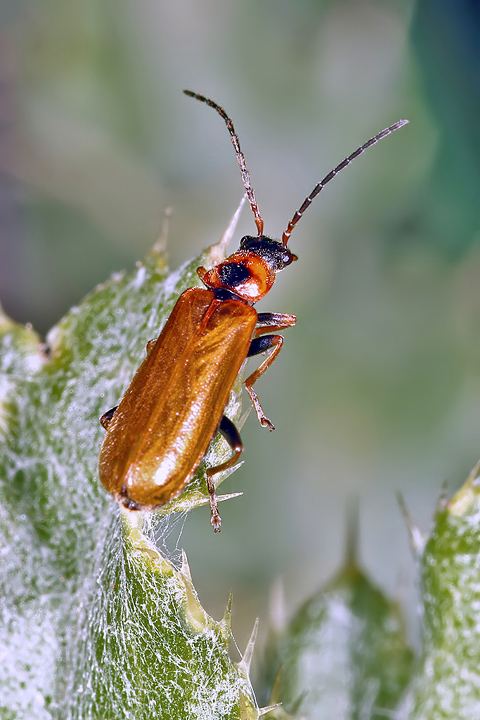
(95, 624)
(447, 684)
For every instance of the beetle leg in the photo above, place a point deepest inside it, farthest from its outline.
(106, 418)
(150, 345)
(232, 436)
(257, 346)
(266, 323)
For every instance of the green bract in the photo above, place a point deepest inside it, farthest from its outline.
(448, 680)
(343, 655)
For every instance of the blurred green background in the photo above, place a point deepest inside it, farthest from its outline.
(377, 389)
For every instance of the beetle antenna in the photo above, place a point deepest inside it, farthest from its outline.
(240, 156)
(373, 141)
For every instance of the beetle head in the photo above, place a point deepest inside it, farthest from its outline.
(272, 251)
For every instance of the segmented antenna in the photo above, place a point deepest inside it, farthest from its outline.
(240, 156)
(308, 200)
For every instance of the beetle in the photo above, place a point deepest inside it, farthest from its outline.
(159, 433)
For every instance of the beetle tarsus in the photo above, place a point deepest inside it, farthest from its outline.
(216, 520)
(262, 418)
(265, 422)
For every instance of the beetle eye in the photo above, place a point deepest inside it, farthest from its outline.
(288, 258)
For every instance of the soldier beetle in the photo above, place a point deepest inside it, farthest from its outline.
(159, 433)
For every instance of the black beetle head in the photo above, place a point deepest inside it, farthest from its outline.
(272, 251)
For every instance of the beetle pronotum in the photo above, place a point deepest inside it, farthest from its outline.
(159, 433)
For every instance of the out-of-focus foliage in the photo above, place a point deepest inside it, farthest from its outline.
(446, 41)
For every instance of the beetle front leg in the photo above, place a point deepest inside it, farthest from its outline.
(232, 436)
(267, 322)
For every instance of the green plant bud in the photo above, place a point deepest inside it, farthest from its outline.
(447, 685)
(343, 655)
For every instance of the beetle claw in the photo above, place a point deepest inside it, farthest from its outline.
(265, 422)
(216, 521)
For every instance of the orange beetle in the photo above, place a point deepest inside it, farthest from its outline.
(159, 433)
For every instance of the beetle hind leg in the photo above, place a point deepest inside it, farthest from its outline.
(232, 436)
